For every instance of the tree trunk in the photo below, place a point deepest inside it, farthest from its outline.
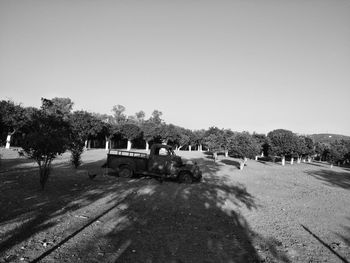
(44, 175)
(86, 144)
(299, 160)
(128, 146)
(292, 160)
(147, 146)
(89, 144)
(256, 157)
(226, 153)
(215, 156)
(107, 145)
(309, 159)
(8, 141)
(200, 149)
(242, 164)
(189, 148)
(283, 160)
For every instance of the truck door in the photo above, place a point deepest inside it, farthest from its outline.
(160, 161)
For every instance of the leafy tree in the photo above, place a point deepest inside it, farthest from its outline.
(184, 139)
(83, 125)
(119, 116)
(199, 138)
(140, 116)
(263, 142)
(337, 152)
(282, 143)
(168, 132)
(107, 127)
(156, 117)
(347, 146)
(244, 145)
(149, 131)
(57, 106)
(304, 147)
(130, 132)
(12, 118)
(215, 140)
(47, 137)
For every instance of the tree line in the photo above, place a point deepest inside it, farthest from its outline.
(54, 128)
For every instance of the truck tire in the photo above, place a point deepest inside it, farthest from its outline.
(186, 178)
(125, 172)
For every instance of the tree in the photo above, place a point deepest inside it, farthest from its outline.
(83, 125)
(47, 137)
(107, 123)
(199, 138)
(282, 143)
(149, 132)
(57, 106)
(304, 148)
(156, 117)
(130, 132)
(337, 152)
(262, 140)
(140, 116)
(12, 119)
(244, 145)
(215, 140)
(119, 116)
(168, 132)
(321, 150)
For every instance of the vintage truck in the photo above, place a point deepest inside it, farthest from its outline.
(161, 163)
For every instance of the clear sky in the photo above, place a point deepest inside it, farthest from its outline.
(241, 64)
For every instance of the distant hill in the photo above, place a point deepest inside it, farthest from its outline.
(328, 137)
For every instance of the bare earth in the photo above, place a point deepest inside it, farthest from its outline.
(265, 213)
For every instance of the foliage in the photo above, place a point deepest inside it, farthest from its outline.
(85, 124)
(119, 116)
(12, 117)
(140, 116)
(282, 142)
(214, 139)
(337, 152)
(149, 130)
(47, 136)
(76, 147)
(156, 117)
(198, 136)
(244, 145)
(130, 131)
(57, 106)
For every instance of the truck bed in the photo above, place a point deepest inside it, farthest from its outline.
(136, 160)
(127, 153)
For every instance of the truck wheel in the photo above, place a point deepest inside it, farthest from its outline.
(125, 172)
(185, 178)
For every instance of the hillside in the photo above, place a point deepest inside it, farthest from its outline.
(328, 137)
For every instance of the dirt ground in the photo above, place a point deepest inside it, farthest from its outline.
(265, 213)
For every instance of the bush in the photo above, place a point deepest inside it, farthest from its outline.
(76, 152)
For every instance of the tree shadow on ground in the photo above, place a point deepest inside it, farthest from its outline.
(332, 178)
(231, 162)
(318, 164)
(346, 234)
(25, 210)
(343, 247)
(173, 222)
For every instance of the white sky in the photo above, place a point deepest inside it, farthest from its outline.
(245, 65)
